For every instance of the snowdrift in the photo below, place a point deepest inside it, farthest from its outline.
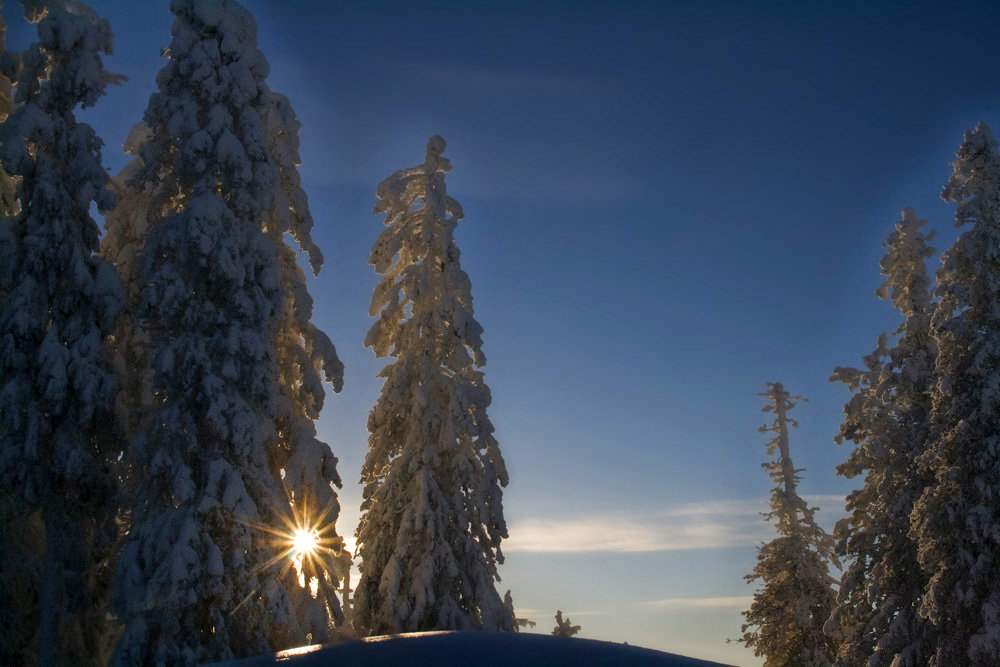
(482, 649)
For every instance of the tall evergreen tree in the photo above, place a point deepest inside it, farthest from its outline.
(432, 518)
(59, 302)
(876, 620)
(956, 520)
(304, 354)
(785, 621)
(223, 324)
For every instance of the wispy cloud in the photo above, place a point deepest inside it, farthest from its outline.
(736, 601)
(706, 525)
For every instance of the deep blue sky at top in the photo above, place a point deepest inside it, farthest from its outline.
(667, 204)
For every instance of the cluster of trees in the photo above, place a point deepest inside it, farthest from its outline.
(159, 386)
(921, 545)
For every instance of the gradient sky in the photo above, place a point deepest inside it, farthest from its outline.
(667, 206)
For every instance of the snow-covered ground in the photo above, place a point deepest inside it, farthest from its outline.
(482, 649)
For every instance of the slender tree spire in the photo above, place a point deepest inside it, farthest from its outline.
(785, 621)
(432, 520)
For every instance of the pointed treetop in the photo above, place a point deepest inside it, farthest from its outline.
(435, 146)
(975, 169)
(904, 266)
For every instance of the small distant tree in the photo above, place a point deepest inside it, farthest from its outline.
(508, 601)
(564, 628)
(58, 436)
(876, 620)
(955, 521)
(432, 517)
(785, 621)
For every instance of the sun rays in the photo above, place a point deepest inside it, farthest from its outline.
(305, 540)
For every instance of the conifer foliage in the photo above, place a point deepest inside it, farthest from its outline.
(59, 302)
(888, 419)
(432, 520)
(955, 521)
(222, 320)
(785, 621)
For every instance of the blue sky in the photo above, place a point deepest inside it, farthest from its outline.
(666, 207)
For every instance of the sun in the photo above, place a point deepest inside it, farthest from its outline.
(304, 542)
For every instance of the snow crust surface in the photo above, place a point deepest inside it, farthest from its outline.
(484, 649)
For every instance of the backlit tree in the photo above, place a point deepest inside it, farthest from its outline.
(432, 519)
(785, 621)
(224, 453)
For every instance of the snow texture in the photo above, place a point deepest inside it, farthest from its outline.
(785, 621)
(224, 363)
(876, 620)
(58, 303)
(432, 516)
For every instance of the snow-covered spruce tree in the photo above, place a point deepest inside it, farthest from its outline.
(59, 302)
(785, 621)
(432, 518)
(232, 405)
(304, 354)
(957, 520)
(876, 617)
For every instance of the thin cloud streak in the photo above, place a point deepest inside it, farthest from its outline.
(708, 525)
(736, 601)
